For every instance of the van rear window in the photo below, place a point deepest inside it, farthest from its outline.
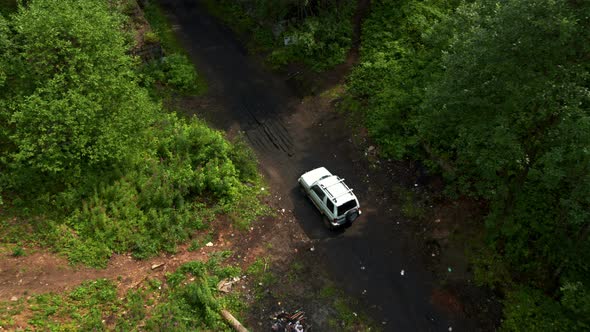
(342, 209)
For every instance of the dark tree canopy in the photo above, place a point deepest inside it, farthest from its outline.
(496, 94)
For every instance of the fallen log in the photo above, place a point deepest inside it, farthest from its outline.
(231, 320)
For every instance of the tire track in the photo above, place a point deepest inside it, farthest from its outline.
(267, 132)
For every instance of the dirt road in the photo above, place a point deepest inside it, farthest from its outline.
(291, 136)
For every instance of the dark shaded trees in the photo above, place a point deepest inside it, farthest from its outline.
(499, 90)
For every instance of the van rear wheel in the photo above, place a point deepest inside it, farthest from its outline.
(328, 223)
(352, 215)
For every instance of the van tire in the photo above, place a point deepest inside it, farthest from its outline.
(328, 223)
(352, 215)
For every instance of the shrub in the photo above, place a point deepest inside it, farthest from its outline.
(321, 42)
(151, 37)
(174, 71)
(320, 32)
(94, 164)
(159, 203)
(18, 252)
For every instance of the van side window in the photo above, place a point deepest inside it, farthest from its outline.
(318, 192)
(330, 206)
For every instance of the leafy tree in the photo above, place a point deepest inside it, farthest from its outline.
(319, 32)
(72, 102)
(400, 54)
(497, 92)
(512, 113)
(98, 166)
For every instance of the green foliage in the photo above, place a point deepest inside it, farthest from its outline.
(233, 14)
(189, 301)
(72, 101)
(400, 51)
(157, 205)
(518, 130)
(191, 304)
(318, 34)
(162, 28)
(320, 42)
(93, 163)
(529, 309)
(7, 7)
(495, 94)
(18, 252)
(174, 71)
(413, 206)
(84, 308)
(151, 37)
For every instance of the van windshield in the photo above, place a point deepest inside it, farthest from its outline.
(342, 209)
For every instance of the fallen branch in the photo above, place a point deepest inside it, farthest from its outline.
(155, 266)
(139, 282)
(231, 320)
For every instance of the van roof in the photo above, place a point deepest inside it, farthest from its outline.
(337, 190)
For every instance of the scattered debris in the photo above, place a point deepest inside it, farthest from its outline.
(288, 40)
(226, 284)
(285, 322)
(209, 244)
(155, 266)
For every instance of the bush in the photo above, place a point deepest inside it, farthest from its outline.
(72, 99)
(18, 252)
(151, 37)
(94, 165)
(320, 32)
(158, 204)
(320, 42)
(400, 53)
(192, 305)
(175, 72)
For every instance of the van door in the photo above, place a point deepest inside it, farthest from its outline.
(317, 197)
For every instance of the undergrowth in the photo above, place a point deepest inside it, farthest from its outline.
(186, 299)
(195, 175)
(316, 35)
(162, 192)
(174, 71)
